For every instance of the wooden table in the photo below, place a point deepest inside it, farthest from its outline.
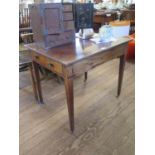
(104, 17)
(71, 60)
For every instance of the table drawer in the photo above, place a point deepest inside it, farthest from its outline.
(47, 63)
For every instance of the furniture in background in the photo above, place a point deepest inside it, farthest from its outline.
(128, 14)
(103, 17)
(72, 60)
(24, 22)
(25, 60)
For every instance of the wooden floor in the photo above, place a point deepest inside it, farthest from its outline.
(104, 124)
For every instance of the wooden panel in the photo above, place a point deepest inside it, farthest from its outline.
(47, 63)
(68, 16)
(53, 25)
(68, 25)
(104, 17)
(59, 39)
(93, 61)
(67, 7)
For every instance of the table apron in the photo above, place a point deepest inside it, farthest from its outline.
(48, 63)
(95, 60)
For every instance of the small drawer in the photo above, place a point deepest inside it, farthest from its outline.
(68, 16)
(54, 66)
(39, 58)
(47, 63)
(68, 25)
(67, 7)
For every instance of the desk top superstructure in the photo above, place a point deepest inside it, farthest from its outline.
(52, 24)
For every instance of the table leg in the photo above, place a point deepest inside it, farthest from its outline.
(33, 82)
(121, 72)
(70, 101)
(85, 76)
(37, 79)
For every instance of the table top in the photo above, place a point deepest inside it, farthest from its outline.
(104, 11)
(73, 52)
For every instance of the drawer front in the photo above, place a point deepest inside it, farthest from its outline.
(67, 7)
(47, 63)
(68, 25)
(63, 38)
(68, 16)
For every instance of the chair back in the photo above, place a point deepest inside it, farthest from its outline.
(24, 18)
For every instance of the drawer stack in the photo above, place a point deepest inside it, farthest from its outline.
(52, 24)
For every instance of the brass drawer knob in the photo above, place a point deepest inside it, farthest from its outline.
(37, 57)
(50, 65)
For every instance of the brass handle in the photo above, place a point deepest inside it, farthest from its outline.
(50, 65)
(37, 57)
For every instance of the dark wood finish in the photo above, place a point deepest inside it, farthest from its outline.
(76, 59)
(37, 82)
(121, 72)
(104, 17)
(52, 24)
(25, 29)
(70, 101)
(128, 15)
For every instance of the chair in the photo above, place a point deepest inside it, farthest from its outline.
(25, 61)
(101, 18)
(24, 56)
(24, 22)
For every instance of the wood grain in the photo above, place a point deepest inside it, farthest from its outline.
(104, 123)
